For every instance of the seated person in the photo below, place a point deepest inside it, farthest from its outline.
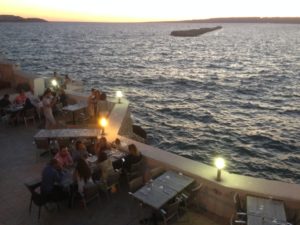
(105, 165)
(103, 145)
(51, 178)
(133, 157)
(79, 151)
(64, 157)
(21, 98)
(4, 102)
(34, 100)
(82, 175)
(119, 146)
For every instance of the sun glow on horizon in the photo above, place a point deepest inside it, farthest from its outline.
(142, 10)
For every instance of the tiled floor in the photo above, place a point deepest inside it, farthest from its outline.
(18, 165)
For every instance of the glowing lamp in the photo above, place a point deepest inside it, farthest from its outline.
(103, 123)
(220, 164)
(119, 95)
(54, 83)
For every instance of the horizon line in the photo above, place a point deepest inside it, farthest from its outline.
(210, 20)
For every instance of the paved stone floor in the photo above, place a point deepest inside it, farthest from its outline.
(18, 165)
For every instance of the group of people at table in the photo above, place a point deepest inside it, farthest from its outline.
(76, 162)
(16, 109)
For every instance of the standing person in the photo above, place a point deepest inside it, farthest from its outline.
(48, 103)
(92, 101)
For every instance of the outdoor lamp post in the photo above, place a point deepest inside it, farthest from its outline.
(119, 95)
(54, 83)
(103, 123)
(220, 164)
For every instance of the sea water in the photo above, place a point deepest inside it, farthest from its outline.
(234, 92)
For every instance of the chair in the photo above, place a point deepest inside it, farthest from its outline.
(238, 205)
(90, 192)
(136, 184)
(157, 171)
(169, 211)
(235, 221)
(189, 197)
(36, 197)
(111, 182)
(42, 144)
(29, 114)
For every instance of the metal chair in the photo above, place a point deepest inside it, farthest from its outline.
(41, 144)
(189, 197)
(235, 221)
(238, 205)
(169, 211)
(29, 114)
(90, 192)
(36, 197)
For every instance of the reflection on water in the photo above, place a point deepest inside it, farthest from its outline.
(233, 92)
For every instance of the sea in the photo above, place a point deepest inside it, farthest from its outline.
(234, 92)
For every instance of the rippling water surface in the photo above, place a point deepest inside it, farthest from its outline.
(234, 92)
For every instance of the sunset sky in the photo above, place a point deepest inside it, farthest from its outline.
(146, 10)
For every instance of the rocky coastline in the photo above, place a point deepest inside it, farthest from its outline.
(11, 18)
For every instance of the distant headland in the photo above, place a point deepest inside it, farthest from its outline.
(11, 18)
(287, 20)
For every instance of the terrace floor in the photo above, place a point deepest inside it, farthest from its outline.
(18, 165)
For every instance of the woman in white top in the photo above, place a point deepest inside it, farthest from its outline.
(82, 175)
(48, 103)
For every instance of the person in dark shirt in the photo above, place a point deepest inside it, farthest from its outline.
(79, 151)
(51, 177)
(133, 157)
(4, 102)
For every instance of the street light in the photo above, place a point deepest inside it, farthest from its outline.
(103, 123)
(119, 95)
(220, 164)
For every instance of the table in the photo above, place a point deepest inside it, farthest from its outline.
(165, 187)
(67, 133)
(263, 211)
(14, 108)
(74, 108)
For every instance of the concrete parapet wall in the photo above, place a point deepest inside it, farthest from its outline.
(216, 197)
